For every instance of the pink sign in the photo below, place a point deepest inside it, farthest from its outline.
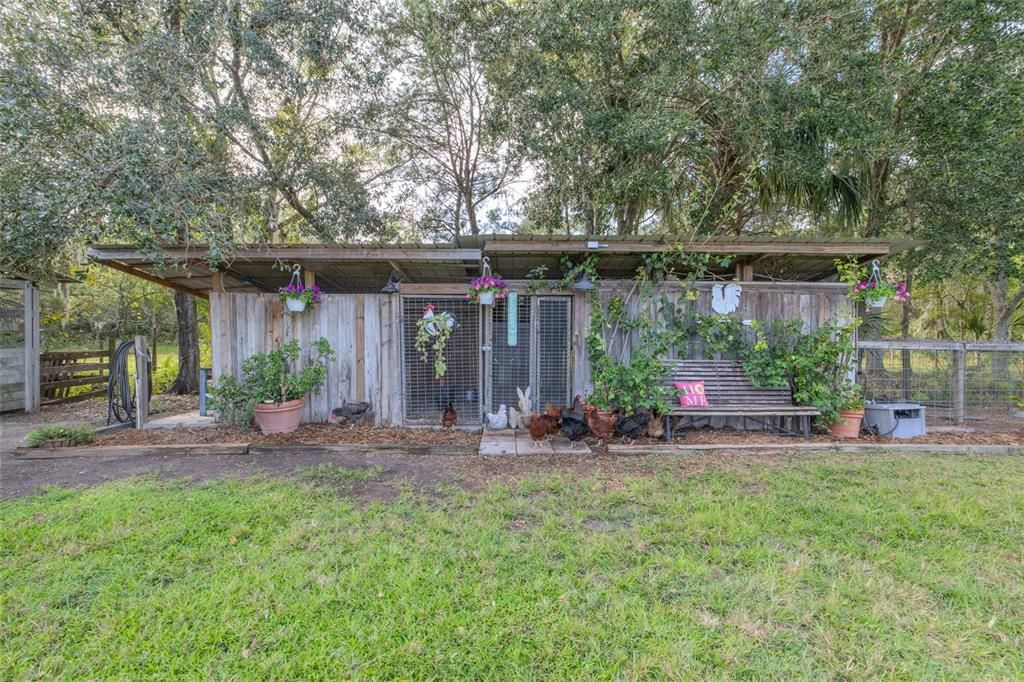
(691, 394)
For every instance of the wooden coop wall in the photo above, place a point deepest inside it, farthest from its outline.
(814, 303)
(364, 331)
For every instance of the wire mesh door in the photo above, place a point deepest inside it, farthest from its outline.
(536, 356)
(425, 395)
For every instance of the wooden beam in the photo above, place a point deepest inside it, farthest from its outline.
(142, 274)
(738, 247)
(321, 254)
(32, 378)
(427, 288)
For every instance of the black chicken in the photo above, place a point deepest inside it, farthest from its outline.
(350, 413)
(635, 425)
(574, 423)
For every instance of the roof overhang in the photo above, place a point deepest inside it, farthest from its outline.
(365, 269)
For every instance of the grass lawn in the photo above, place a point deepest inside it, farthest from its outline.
(907, 567)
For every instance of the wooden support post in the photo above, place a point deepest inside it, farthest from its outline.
(960, 384)
(744, 271)
(141, 382)
(308, 277)
(217, 282)
(32, 385)
(486, 355)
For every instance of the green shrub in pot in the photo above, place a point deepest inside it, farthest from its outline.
(271, 377)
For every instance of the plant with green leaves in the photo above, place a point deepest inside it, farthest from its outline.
(433, 331)
(820, 368)
(76, 435)
(271, 377)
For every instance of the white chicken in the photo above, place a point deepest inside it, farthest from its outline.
(499, 419)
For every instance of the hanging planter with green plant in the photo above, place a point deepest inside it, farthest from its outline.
(432, 333)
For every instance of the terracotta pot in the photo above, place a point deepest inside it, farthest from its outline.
(278, 417)
(848, 425)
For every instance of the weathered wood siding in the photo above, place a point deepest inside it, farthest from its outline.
(363, 329)
(814, 303)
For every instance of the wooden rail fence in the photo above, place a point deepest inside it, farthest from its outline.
(62, 373)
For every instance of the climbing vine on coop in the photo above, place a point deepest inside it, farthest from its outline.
(433, 331)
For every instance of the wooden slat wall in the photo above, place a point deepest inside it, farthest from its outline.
(362, 328)
(814, 303)
(365, 332)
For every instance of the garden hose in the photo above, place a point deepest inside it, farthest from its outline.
(120, 396)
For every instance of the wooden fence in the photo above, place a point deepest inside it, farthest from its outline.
(363, 329)
(63, 373)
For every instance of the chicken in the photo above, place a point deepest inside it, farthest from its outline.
(498, 420)
(603, 425)
(635, 425)
(353, 414)
(656, 428)
(541, 426)
(574, 422)
(449, 418)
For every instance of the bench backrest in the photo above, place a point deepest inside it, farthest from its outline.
(725, 383)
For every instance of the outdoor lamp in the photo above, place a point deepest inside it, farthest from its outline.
(392, 286)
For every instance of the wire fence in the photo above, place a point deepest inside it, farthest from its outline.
(980, 385)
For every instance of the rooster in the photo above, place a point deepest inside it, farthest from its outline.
(449, 418)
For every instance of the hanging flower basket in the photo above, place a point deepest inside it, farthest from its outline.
(296, 296)
(867, 287)
(487, 287)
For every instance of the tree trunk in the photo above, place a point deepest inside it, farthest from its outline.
(187, 380)
(474, 228)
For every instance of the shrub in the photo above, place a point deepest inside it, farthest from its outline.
(270, 378)
(79, 435)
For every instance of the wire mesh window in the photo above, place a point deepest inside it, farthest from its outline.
(540, 357)
(426, 396)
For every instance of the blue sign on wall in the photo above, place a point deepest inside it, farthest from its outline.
(512, 317)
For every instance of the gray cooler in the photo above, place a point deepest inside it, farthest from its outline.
(895, 420)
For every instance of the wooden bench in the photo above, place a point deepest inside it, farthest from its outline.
(730, 393)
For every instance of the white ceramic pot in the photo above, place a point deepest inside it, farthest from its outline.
(879, 303)
(486, 298)
(295, 305)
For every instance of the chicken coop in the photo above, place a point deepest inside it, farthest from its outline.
(535, 338)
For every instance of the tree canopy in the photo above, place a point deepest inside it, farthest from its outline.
(220, 121)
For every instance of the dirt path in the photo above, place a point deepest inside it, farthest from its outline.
(15, 425)
(20, 477)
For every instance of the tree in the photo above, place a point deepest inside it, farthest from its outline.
(158, 122)
(439, 117)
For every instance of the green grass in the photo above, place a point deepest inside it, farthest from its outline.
(896, 567)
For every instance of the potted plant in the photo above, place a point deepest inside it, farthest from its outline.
(432, 333)
(867, 286)
(820, 370)
(485, 289)
(270, 391)
(296, 296)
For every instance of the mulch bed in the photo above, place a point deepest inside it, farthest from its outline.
(329, 434)
(307, 434)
